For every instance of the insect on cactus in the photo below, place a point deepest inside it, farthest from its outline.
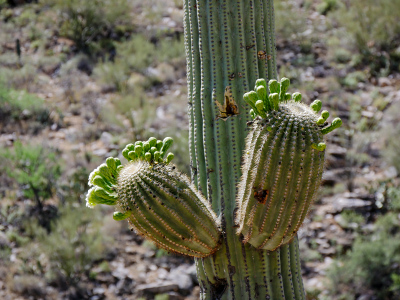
(254, 174)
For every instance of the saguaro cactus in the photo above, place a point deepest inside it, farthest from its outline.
(247, 197)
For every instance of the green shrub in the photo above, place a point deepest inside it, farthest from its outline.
(74, 244)
(351, 217)
(13, 103)
(393, 195)
(353, 79)
(288, 27)
(371, 262)
(24, 78)
(35, 169)
(375, 30)
(135, 56)
(327, 6)
(86, 22)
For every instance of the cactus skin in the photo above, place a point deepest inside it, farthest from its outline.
(159, 202)
(282, 170)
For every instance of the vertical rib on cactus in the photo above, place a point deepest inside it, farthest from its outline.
(229, 44)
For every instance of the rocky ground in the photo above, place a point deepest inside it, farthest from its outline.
(85, 127)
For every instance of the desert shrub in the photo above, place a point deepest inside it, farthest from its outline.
(86, 22)
(74, 244)
(136, 56)
(288, 28)
(19, 79)
(28, 285)
(170, 49)
(391, 151)
(74, 187)
(375, 30)
(34, 168)
(393, 198)
(13, 103)
(351, 218)
(371, 263)
(327, 6)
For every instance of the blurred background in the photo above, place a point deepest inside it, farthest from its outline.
(81, 79)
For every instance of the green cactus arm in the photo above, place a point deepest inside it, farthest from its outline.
(282, 170)
(159, 202)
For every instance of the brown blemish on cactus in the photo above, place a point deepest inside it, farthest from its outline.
(249, 47)
(261, 195)
(229, 108)
(262, 54)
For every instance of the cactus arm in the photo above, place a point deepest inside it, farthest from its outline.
(157, 200)
(283, 166)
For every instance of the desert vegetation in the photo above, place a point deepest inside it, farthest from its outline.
(80, 80)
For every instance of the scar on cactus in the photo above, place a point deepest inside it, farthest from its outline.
(283, 164)
(159, 202)
(229, 108)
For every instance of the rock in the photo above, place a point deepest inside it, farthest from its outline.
(331, 177)
(386, 90)
(120, 271)
(162, 274)
(336, 156)
(124, 286)
(4, 241)
(157, 287)
(336, 151)
(342, 203)
(365, 297)
(175, 296)
(390, 172)
(181, 278)
(314, 284)
(106, 138)
(384, 81)
(100, 152)
(98, 291)
(393, 96)
(193, 274)
(368, 114)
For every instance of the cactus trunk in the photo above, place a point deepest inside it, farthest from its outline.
(229, 44)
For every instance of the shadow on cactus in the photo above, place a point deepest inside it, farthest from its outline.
(283, 164)
(158, 201)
